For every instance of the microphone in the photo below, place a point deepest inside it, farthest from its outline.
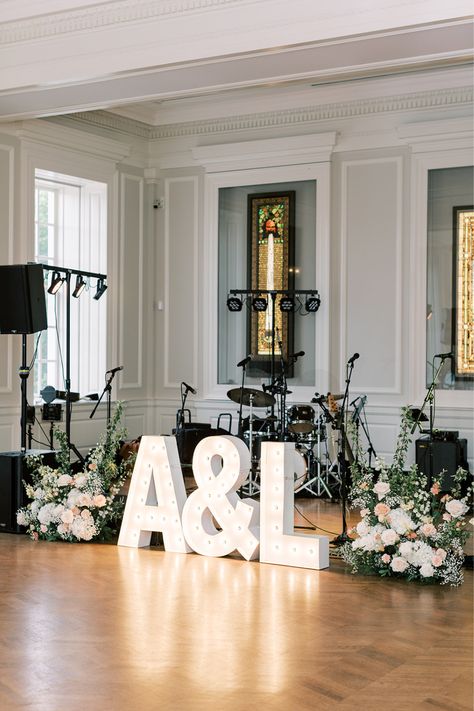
(189, 388)
(351, 360)
(114, 370)
(351, 404)
(318, 399)
(244, 361)
(443, 356)
(297, 355)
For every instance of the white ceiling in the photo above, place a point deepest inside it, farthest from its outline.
(136, 57)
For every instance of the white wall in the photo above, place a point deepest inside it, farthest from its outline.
(369, 154)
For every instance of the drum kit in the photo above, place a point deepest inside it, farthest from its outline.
(316, 465)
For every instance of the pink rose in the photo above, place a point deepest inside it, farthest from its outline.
(436, 560)
(364, 512)
(34, 535)
(99, 500)
(435, 488)
(43, 528)
(389, 537)
(428, 529)
(381, 509)
(446, 517)
(381, 488)
(399, 565)
(385, 558)
(67, 516)
(441, 552)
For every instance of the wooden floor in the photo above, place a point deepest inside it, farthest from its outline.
(96, 627)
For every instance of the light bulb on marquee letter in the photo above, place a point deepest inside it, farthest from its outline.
(279, 543)
(220, 466)
(156, 497)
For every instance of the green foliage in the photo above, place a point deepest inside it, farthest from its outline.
(74, 506)
(406, 529)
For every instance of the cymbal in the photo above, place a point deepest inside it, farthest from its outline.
(244, 395)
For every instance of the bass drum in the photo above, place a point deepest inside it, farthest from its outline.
(301, 469)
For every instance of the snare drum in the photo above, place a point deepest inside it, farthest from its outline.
(301, 419)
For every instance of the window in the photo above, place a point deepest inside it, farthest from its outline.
(449, 312)
(235, 269)
(71, 231)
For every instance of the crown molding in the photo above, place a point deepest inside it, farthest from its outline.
(67, 137)
(291, 150)
(104, 15)
(441, 98)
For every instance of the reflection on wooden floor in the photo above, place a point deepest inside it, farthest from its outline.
(97, 627)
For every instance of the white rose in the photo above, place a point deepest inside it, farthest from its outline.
(381, 488)
(362, 528)
(389, 537)
(405, 549)
(64, 480)
(456, 508)
(426, 570)
(398, 565)
(21, 519)
(80, 480)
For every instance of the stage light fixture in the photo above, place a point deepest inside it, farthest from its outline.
(287, 303)
(56, 283)
(259, 303)
(234, 303)
(101, 288)
(80, 286)
(313, 303)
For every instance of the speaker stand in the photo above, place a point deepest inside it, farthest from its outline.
(24, 372)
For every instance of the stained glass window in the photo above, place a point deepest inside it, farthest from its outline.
(271, 218)
(464, 286)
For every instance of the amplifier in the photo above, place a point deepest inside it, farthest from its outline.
(13, 471)
(439, 459)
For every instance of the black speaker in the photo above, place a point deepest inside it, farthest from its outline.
(22, 299)
(441, 459)
(13, 471)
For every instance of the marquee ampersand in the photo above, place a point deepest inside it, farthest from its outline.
(220, 466)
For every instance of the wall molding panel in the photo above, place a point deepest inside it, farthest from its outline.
(369, 286)
(7, 232)
(131, 309)
(181, 301)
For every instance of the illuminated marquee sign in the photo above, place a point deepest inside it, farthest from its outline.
(157, 502)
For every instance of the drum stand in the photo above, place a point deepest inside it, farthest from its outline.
(315, 469)
(250, 487)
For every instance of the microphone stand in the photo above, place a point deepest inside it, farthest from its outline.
(362, 421)
(239, 429)
(107, 389)
(341, 456)
(180, 416)
(429, 397)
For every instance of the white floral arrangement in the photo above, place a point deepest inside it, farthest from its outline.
(77, 506)
(407, 529)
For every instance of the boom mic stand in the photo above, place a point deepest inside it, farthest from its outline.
(341, 456)
(359, 418)
(107, 389)
(430, 397)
